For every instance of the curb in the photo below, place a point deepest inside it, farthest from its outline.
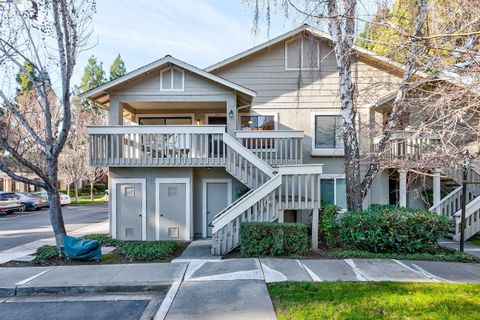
(33, 290)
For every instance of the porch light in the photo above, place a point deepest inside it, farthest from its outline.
(198, 122)
(230, 114)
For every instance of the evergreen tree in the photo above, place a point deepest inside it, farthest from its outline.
(117, 69)
(23, 81)
(93, 76)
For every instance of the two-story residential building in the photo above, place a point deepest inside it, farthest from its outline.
(194, 152)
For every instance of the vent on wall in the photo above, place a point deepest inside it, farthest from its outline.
(129, 232)
(172, 191)
(173, 232)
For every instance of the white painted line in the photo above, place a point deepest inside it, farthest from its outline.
(430, 275)
(411, 269)
(237, 275)
(167, 301)
(312, 274)
(360, 276)
(25, 281)
(272, 275)
(193, 266)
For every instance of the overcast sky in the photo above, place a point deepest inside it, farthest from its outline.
(200, 32)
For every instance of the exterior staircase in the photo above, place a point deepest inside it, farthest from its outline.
(272, 191)
(451, 205)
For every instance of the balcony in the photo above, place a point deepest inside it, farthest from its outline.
(186, 145)
(406, 146)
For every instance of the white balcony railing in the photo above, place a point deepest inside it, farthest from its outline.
(157, 145)
(407, 146)
(274, 147)
(186, 145)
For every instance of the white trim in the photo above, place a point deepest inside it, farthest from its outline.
(188, 207)
(172, 79)
(301, 54)
(156, 64)
(323, 151)
(208, 115)
(164, 115)
(256, 113)
(141, 181)
(205, 182)
(269, 134)
(119, 129)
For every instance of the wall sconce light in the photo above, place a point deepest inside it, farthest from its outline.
(198, 122)
(230, 114)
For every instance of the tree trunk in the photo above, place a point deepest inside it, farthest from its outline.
(68, 189)
(56, 218)
(76, 191)
(91, 191)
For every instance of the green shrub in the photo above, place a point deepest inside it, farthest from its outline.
(147, 250)
(328, 228)
(105, 239)
(44, 254)
(392, 229)
(99, 187)
(273, 239)
(439, 255)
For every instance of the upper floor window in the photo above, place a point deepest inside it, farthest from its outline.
(302, 53)
(257, 122)
(172, 79)
(165, 121)
(327, 131)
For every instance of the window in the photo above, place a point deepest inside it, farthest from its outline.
(164, 121)
(302, 53)
(257, 122)
(328, 132)
(172, 79)
(333, 191)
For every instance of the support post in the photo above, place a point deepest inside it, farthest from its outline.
(315, 226)
(436, 186)
(115, 112)
(403, 188)
(231, 115)
(464, 208)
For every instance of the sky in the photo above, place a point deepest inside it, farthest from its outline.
(200, 32)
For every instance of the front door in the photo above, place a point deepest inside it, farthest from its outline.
(173, 211)
(216, 150)
(217, 200)
(129, 211)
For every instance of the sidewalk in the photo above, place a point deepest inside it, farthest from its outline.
(209, 289)
(26, 250)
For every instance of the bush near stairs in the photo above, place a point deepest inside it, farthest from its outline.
(273, 239)
(392, 229)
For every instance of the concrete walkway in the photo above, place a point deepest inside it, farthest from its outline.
(469, 247)
(212, 289)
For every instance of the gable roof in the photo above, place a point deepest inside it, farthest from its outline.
(101, 90)
(367, 54)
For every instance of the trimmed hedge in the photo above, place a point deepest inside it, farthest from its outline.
(273, 239)
(392, 229)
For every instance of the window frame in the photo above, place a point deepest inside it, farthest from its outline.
(254, 114)
(164, 115)
(301, 54)
(170, 69)
(333, 177)
(324, 151)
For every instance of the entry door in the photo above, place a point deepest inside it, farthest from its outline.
(217, 200)
(215, 150)
(173, 211)
(129, 211)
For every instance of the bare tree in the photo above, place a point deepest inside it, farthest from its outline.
(48, 35)
(340, 18)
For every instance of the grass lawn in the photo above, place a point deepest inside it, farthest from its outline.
(476, 239)
(86, 200)
(375, 300)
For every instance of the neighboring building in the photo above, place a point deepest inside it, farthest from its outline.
(183, 144)
(10, 185)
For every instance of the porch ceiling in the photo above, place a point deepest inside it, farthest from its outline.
(158, 107)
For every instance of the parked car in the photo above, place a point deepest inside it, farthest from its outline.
(64, 198)
(9, 202)
(31, 201)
